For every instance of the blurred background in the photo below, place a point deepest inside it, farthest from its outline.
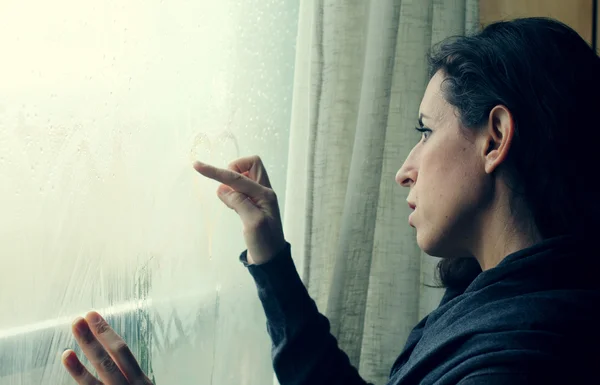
(581, 15)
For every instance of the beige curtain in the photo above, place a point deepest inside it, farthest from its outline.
(360, 74)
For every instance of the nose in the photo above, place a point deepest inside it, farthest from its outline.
(407, 175)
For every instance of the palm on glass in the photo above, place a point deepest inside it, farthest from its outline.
(106, 351)
(246, 189)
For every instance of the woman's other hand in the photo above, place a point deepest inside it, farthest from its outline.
(246, 189)
(107, 352)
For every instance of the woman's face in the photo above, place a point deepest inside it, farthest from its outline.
(445, 172)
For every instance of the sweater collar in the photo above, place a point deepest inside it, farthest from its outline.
(548, 251)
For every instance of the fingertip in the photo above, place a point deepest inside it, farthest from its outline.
(72, 363)
(198, 165)
(69, 359)
(76, 322)
(93, 317)
(66, 354)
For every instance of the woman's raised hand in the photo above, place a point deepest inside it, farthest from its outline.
(245, 188)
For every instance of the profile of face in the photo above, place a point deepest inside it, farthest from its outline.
(448, 173)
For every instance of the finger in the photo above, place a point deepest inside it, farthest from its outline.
(106, 367)
(233, 179)
(240, 203)
(224, 189)
(254, 166)
(116, 347)
(76, 369)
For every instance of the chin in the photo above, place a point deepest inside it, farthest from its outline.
(425, 243)
(433, 246)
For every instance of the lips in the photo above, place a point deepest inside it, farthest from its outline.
(413, 207)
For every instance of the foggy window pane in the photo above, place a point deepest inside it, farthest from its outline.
(103, 108)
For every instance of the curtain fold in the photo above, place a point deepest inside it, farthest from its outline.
(361, 71)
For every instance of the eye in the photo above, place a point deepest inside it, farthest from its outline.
(425, 131)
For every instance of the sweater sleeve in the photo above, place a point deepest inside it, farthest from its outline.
(304, 351)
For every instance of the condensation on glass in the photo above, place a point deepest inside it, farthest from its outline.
(103, 108)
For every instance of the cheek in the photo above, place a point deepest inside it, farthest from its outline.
(447, 215)
(450, 190)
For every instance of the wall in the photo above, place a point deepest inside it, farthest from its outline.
(579, 14)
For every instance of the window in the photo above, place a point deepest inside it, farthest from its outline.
(103, 108)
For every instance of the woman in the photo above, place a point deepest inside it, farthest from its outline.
(502, 183)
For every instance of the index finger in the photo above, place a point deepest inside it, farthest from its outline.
(115, 346)
(236, 181)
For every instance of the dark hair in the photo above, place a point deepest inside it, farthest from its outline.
(549, 78)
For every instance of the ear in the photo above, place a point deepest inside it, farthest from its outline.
(498, 137)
